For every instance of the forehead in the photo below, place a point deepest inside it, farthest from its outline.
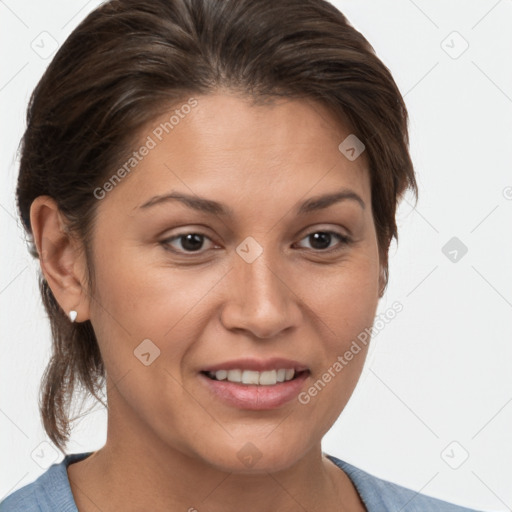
(227, 145)
(237, 124)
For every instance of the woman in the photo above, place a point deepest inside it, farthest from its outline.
(211, 189)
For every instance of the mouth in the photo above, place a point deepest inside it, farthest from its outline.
(251, 384)
(255, 378)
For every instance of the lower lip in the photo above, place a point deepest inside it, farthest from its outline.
(256, 398)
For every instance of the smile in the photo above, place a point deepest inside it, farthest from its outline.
(255, 390)
(251, 377)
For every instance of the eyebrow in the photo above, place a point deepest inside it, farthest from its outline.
(213, 207)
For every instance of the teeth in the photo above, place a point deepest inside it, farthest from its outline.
(250, 377)
(266, 378)
(221, 375)
(234, 375)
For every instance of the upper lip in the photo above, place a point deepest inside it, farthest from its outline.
(259, 365)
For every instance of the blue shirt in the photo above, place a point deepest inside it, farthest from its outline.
(51, 492)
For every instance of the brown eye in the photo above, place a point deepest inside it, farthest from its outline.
(185, 243)
(321, 240)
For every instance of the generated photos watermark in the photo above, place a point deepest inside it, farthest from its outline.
(157, 135)
(355, 348)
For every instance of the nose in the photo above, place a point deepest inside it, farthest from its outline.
(261, 300)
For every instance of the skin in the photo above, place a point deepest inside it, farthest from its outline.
(172, 445)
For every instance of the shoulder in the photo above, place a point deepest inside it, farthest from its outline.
(382, 496)
(51, 491)
(23, 499)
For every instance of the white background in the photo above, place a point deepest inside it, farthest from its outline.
(439, 374)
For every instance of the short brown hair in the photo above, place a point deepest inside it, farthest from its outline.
(130, 58)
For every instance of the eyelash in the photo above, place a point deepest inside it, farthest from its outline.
(343, 242)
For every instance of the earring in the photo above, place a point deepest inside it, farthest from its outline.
(72, 315)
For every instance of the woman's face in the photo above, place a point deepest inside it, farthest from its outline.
(268, 278)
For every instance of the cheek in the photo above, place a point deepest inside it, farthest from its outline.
(345, 305)
(346, 297)
(137, 300)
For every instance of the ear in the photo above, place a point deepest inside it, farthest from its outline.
(62, 262)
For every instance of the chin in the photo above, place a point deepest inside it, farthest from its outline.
(255, 456)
